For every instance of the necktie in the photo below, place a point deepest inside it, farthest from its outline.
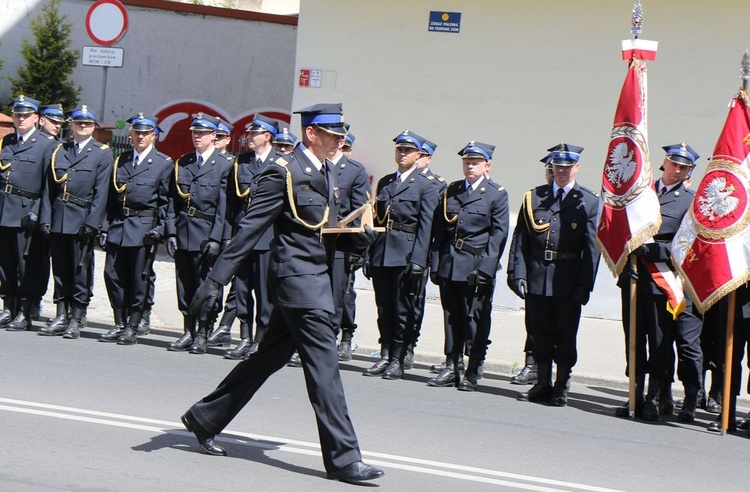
(200, 161)
(559, 195)
(663, 190)
(135, 163)
(398, 181)
(469, 190)
(78, 148)
(258, 162)
(20, 140)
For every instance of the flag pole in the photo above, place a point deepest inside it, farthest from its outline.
(635, 30)
(726, 397)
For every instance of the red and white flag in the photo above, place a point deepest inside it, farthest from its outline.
(628, 207)
(711, 250)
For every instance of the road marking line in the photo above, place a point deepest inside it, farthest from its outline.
(449, 470)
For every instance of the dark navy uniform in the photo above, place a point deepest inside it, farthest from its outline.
(470, 234)
(555, 258)
(74, 207)
(399, 257)
(23, 171)
(297, 199)
(136, 222)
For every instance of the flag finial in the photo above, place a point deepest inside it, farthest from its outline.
(745, 70)
(637, 21)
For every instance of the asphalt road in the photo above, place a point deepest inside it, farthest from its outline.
(83, 415)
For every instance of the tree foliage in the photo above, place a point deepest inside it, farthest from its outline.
(47, 73)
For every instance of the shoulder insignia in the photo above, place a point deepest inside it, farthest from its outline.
(50, 137)
(430, 177)
(500, 188)
(441, 179)
(104, 147)
(281, 162)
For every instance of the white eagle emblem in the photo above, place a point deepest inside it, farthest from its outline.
(621, 165)
(718, 201)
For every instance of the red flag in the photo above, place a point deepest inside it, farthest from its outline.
(711, 250)
(628, 208)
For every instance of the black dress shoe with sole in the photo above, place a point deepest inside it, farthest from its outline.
(444, 379)
(378, 368)
(355, 473)
(205, 439)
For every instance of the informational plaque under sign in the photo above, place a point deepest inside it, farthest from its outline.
(445, 22)
(310, 77)
(101, 56)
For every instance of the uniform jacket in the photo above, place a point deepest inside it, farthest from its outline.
(300, 255)
(412, 205)
(206, 190)
(85, 176)
(23, 167)
(568, 228)
(144, 188)
(243, 179)
(480, 220)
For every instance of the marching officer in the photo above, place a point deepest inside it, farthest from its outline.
(471, 228)
(195, 225)
(298, 195)
(252, 278)
(284, 140)
(405, 203)
(554, 268)
(73, 208)
(662, 329)
(24, 159)
(354, 188)
(134, 226)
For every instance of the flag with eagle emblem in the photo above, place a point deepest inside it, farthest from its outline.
(628, 207)
(711, 250)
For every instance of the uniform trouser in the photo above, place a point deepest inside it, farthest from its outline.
(310, 332)
(528, 345)
(713, 336)
(554, 321)
(344, 296)
(230, 303)
(73, 283)
(151, 289)
(127, 286)
(192, 270)
(468, 317)
(419, 303)
(396, 313)
(252, 281)
(21, 276)
(664, 332)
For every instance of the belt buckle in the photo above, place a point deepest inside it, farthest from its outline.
(549, 255)
(459, 244)
(191, 212)
(389, 224)
(126, 211)
(65, 196)
(8, 188)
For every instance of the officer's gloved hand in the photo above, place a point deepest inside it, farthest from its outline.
(45, 229)
(362, 240)
(211, 251)
(171, 246)
(28, 222)
(352, 262)
(413, 274)
(87, 232)
(206, 297)
(518, 286)
(103, 240)
(481, 280)
(641, 250)
(366, 269)
(581, 295)
(152, 237)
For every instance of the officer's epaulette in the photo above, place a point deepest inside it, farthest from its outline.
(50, 137)
(500, 188)
(583, 188)
(281, 162)
(165, 156)
(227, 156)
(430, 177)
(104, 147)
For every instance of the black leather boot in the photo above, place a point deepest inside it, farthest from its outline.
(541, 392)
(733, 422)
(447, 377)
(9, 312)
(409, 358)
(528, 374)
(345, 347)
(687, 412)
(200, 342)
(36, 308)
(73, 331)
(666, 401)
(380, 366)
(624, 411)
(144, 327)
(243, 347)
(469, 381)
(186, 340)
(113, 334)
(222, 336)
(651, 404)
(439, 368)
(560, 389)
(58, 324)
(22, 321)
(130, 335)
(713, 402)
(395, 367)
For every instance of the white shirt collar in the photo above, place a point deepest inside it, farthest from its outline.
(405, 174)
(27, 135)
(308, 153)
(566, 188)
(205, 154)
(265, 154)
(137, 156)
(476, 183)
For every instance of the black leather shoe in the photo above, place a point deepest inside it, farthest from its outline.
(205, 439)
(20, 323)
(394, 371)
(687, 412)
(438, 368)
(624, 411)
(408, 364)
(128, 337)
(144, 325)
(444, 379)
(253, 349)
(744, 422)
(715, 426)
(5, 317)
(713, 406)
(378, 368)
(199, 344)
(468, 383)
(54, 330)
(650, 411)
(73, 331)
(295, 361)
(222, 336)
(240, 351)
(345, 350)
(112, 335)
(527, 375)
(559, 397)
(183, 343)
(539, 393)
(356, 472)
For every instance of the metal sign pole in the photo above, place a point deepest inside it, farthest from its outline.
(104, 94)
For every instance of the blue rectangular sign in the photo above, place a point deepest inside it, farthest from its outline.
(445, 22)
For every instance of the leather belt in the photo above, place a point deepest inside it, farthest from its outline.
(460, 245)
(398, 226)
(131, 212)
(81, 202)
(549, 255)
(193, 212)
(15, 190)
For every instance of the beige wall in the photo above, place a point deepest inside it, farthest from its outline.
(522, 75)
